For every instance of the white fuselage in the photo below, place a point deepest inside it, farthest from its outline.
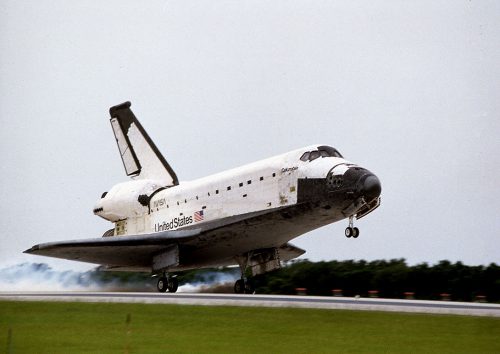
(244, 216)
(264, 185)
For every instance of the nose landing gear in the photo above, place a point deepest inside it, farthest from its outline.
(351, 231)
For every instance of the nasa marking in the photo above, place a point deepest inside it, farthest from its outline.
(159, 203)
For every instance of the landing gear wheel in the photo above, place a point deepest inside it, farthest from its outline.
(349, 232)
(355, 232)
(239, 286)
(249, 288)
(162, 284)
(173, 284)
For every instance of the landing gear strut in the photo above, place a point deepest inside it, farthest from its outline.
(166, 282)
(351, 231)
(243, 285)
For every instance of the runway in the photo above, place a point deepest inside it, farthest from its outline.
(319, 302)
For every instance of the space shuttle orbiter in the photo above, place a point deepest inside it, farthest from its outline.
(244, 216)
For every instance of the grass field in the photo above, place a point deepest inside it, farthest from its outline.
(51, 327)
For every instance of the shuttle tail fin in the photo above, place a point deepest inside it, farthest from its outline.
(141, 158)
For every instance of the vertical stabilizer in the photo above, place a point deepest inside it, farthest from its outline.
(141, 158)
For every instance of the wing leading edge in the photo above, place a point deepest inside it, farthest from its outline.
(135, 251)
(144, 252)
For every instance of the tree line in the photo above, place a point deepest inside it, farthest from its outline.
(391, 279)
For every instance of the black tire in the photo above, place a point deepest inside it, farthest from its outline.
(162, 284)
(355, 232)
(349, 232)
(239, 286)
(173, 285)
(249, 288)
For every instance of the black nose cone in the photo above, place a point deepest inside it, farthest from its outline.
(371, 187)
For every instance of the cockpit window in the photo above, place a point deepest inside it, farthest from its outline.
(323, 151)
(332, 152)
(314, 155)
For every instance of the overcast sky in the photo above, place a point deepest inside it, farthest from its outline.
(409, 90)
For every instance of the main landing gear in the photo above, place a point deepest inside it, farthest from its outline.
(243, 285)
(167, 283)
(239, 286)
(351, 231)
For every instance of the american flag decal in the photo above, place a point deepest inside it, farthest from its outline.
(198, 216)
